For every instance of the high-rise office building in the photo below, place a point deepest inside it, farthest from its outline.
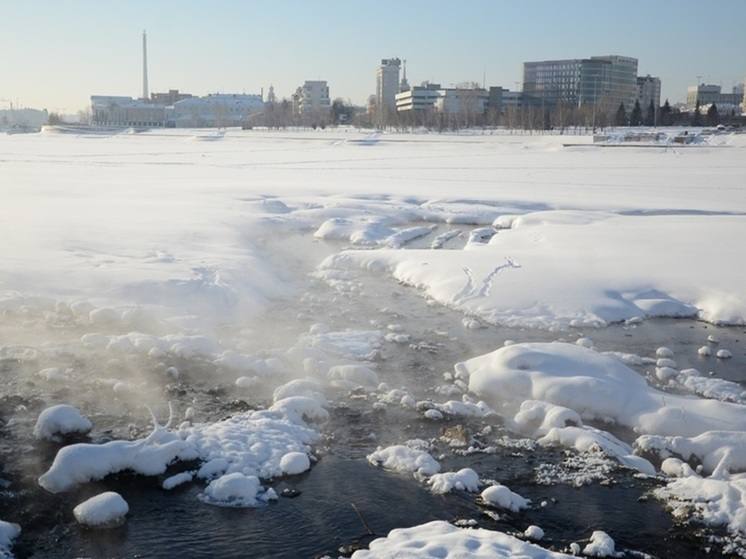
(604, 81)
(387, 86)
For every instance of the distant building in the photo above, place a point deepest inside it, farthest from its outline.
(500, 99)
(271, 96)
(418, 98)
(116, 110)
(214, 110)
(649, 89)
(433, 97)
(603, 81)
(22, 119)
(710, 94)
(387, 85)
(312, 98)
(169, 98)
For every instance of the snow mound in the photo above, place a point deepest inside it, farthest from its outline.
(102, 511)
(719, 452)
(81, 463)
(255, 443)
(534, 533)
(594, 385)
(252, 443)
(557, 425)
(601, 545)
(500, 496)
(465, 479)
(714, 502)
(446, 541)
(236, 490)
(177, 480)
(295, 463)
(57, 421)
(404, 459)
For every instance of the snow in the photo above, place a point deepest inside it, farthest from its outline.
(253, 443)
(294, 463)
(353, 375)
(465, 479)
(401, 458)
(174, 260)
(102, 511)
(57, 421)
(234, 490)
(601, 545)
(446, 541)
(557, 425)
(533, 533)
(8, 532)
(595, 386)
(83, 462)
(498, 495)
(606, 269)
(719, 452)
(177, 480)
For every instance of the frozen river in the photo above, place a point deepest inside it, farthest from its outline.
(336, 285)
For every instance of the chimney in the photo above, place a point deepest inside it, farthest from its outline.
(145, 93)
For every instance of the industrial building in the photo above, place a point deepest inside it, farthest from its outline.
(174, 108)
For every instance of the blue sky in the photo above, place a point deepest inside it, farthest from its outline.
(58, 52)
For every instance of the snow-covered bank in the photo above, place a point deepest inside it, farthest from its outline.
(559, 269)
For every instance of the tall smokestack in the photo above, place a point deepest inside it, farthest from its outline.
(145, 93)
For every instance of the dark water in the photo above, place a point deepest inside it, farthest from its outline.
(322, 517)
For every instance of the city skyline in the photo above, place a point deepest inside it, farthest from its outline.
(94, 48)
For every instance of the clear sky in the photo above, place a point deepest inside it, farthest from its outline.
(56, 53)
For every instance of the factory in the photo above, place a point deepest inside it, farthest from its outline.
(173, 109)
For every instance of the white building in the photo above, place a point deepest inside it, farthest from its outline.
(313, 98)
(418, 98)
(117, 110)
(433, 97)
(648, 89)
(22, 119)
(214, 110)
(387, 85)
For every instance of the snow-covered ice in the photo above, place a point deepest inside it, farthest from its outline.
(444, 540)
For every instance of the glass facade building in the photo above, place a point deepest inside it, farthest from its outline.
(604, 81)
